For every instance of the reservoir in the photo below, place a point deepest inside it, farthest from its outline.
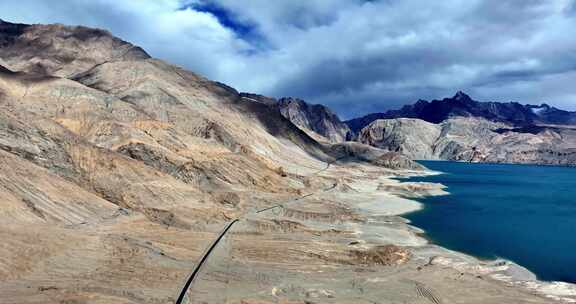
(523, 213)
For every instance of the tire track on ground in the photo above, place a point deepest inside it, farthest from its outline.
(424, 292)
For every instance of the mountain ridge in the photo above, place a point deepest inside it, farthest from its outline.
(319, 121)
(462, 129)
(119, 169)
(315, 117)
(473, 139)
(462, 105)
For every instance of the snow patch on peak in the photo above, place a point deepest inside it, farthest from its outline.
(539, 110)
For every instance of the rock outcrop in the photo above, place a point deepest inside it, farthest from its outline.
(460, 128)
(314, 118)
(474, 140)
(413, 138)
(351, 151)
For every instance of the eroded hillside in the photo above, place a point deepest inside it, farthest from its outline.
(99, 141)
(474, 140)
(118, 169)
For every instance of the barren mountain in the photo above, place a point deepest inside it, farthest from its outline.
(118, 170)
(315, 118)
(461, 105)
(411, 137)
(100, 143)
(59, 50)
(473, 139)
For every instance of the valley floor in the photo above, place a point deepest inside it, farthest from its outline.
(347, 244)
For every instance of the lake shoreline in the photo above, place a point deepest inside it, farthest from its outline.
(500, 269)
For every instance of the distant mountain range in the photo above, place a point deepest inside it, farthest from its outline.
(456, 128)
(461, 105)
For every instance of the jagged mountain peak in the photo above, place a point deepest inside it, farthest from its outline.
(461, 96)
(321, 109)
(462, 105)
(295, 101)
(318, 119)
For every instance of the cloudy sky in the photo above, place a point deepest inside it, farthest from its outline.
(357, 56)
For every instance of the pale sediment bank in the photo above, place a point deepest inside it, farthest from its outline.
(399, 200)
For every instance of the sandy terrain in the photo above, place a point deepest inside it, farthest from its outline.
(372, 256)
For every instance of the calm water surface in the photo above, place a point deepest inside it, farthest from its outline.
(523, 213)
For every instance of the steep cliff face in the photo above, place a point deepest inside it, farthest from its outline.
(316, 118)
(473, 139)
(461, 105)
(413, 138)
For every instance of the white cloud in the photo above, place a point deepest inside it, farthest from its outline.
(355, 55)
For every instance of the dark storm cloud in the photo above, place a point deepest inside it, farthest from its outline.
(571, 8)
(357, 56)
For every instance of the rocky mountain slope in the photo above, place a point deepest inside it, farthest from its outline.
(117, 170)
(316, 120)
(460, 128)
(456, 128)
(461, 105)
(59, 50)
(473, 139)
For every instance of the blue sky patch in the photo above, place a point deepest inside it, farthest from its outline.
(245, 30)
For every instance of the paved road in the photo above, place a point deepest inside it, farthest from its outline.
(199, 265)
(196, 271)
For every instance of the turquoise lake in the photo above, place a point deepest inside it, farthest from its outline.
(523, 213)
